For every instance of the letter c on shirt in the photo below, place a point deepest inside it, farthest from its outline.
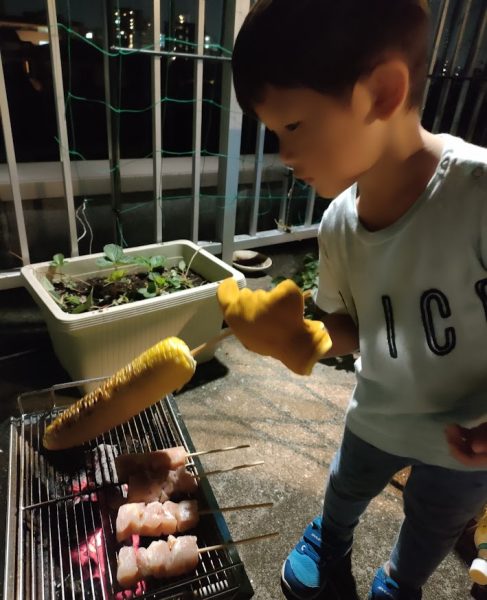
(437, 297)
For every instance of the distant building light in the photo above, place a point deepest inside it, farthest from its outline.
(131, 12)
(207, 38)
(182, 19)
(43, 42)
(89, 35)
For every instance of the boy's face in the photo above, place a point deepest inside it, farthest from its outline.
(329, 143)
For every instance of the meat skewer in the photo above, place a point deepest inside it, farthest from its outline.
(148, 489)
(145, 487)
(167, 518)
(168, 458)
(176, 557)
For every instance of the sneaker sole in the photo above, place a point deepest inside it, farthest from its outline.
(289, 593)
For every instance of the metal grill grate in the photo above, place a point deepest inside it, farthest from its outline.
(61, 540)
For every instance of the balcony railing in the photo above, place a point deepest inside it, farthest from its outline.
(455, 101)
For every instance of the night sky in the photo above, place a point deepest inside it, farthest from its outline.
(89, 12)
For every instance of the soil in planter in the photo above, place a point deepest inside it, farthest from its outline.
(76, 295)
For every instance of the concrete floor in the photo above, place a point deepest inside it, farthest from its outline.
(293, 423)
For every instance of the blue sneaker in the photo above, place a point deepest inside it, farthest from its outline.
(305, 572)
(386, 588)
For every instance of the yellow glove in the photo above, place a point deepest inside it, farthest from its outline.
(272, 324)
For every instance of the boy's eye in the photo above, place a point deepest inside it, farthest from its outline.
(293, 126)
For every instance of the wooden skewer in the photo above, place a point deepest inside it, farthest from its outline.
(234, 543)
(201, 452)
(187, 455)
(210, 511)
(208, 473)
(224, 333)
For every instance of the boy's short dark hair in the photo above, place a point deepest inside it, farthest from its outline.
(327, 45)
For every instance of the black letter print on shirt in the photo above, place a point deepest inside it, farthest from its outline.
(441, 301)
(481, 289)
(391, 334)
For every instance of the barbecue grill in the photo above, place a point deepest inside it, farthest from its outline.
(60, 536)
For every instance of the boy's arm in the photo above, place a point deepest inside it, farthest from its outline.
(343, 333)
(468, 446)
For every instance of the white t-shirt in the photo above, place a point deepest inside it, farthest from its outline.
(418, 290)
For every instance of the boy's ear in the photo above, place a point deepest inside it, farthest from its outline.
(388, 89)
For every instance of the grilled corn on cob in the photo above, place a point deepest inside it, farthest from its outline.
(161, 369)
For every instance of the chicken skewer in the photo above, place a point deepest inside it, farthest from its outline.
(146, 495)
(167, 458)
(178, 556)
(165, 518)
(145, 487)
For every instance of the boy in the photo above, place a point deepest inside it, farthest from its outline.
(403, 270)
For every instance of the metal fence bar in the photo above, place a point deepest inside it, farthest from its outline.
(106, 88)
(230, 133)
(451, 71)
(481, 99)
(112, 98)
(471, 65)
(310, 205)
(436, 47)
(12, 168)
(61, 123)
(259, 162)
(197, 121)
(157, 121)
(283, 203)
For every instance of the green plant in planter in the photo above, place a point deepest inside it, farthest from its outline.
(130, 278)
(115, 258)
(70, 299)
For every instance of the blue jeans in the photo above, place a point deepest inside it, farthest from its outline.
(438, 504)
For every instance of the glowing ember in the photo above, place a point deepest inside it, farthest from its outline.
(91, 558)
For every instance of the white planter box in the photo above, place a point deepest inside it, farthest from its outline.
(96, 344)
